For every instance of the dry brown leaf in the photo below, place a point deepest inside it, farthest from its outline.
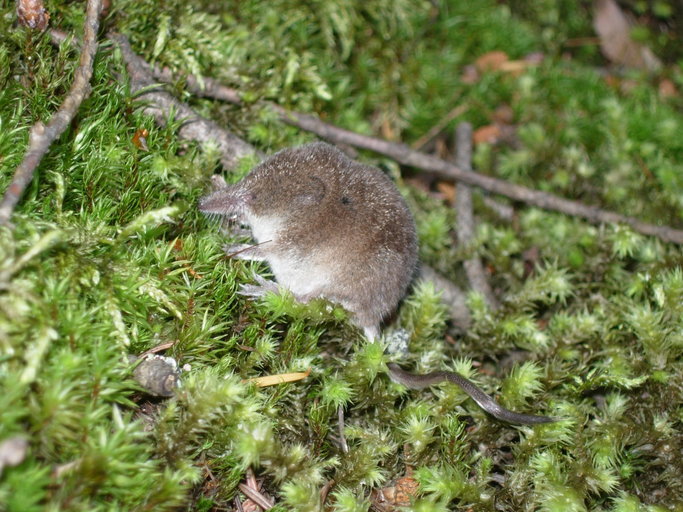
(492, 61)
(387, 130)
(447, 191)
(440, 148)
(486, 134)
(140, 139)
(535, 58)
(498, 61)
(667, 89)
(516, 67)
(420, 182)
(623, 85)
(614, 30)
(177, 244)
(628, 85)
(193, 272)
(611, 81)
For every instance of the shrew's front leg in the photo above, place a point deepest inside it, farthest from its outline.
(259, 290)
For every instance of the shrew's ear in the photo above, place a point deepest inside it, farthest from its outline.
(312, 191)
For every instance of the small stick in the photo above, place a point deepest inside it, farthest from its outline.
(326, 490)
(41, 135)
(238, 504)
(256, 497)
(159, 348)
(211, 89)
(247, 248)
(503, 211)
(342, 438)
(463, 204)
(160, 104)
(440, 125)
(251, 480)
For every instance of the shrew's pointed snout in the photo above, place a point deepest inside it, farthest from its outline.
(226, 201)
(209, 203)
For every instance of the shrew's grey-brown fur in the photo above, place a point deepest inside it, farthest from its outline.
(329, 227)
(332, 227)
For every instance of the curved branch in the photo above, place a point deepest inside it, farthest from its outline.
(463, 204)
(160, 104)
(41, 135)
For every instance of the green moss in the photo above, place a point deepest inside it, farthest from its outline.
(110, 257)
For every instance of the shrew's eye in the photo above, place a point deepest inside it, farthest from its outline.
(345, 200)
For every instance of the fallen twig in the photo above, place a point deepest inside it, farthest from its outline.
(210, 89)
(160, 104)
(256, 497)
(41, 135)
(439, 126)
(463, 204)
(325, 491)
(158, 348)
(342, 438)
(503, 211)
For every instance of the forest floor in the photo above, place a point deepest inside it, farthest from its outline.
(107, 257)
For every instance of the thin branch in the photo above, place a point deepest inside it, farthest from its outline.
(210, 89)
(342, 438)
(58, 36)
(326, 490)
(256, 497)
(439, 126)
(215, 90)
(473, 267)
(160, 104)
(503, 211)
(238, 504)
(41, 135)
(158, 348)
